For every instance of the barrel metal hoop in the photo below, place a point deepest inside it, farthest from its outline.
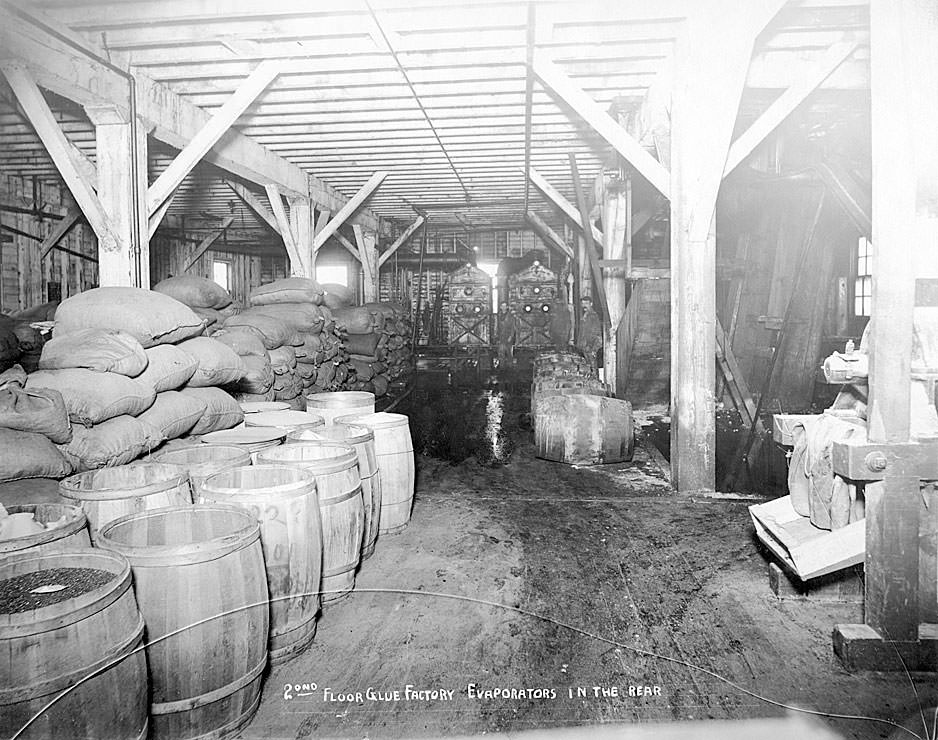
(357, 491)
(185, 705)
(59, 683)
(340, 571)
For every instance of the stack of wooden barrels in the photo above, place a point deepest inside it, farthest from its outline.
(266, 545)
(576, 420)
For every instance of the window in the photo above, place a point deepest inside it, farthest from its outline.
(221, 273)
(334, 274)
(863, 286)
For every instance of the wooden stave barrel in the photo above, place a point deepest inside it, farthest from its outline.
(342, 510)
(169, 487)
(394, 449)
(566, 386)
(583, 429)
(340, 403)
(362, 441)
(73, 534)
(101, 630)
(202, 461)
(291, 539)
(227, 571)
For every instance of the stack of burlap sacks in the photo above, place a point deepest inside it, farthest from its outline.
(132, 371)
(19, 341)
(378, 342)
(300, 337)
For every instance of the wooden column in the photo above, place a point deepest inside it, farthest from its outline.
(368, 255)
(711, 63)
(123, 254)
(615, 227)
(301, 225)
(903, 79)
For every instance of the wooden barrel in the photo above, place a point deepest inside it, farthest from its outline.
(283, 500)
(394, 450)
(203, 461)
(566, 386)
(202, 590)
(71, 532)
(287, 420)
(62, 637)
(583, 429)
(251, 439)
(109, 493)
(362, 439)
(340, 403)
(335, 467)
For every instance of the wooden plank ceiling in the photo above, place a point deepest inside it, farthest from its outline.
(432, 91)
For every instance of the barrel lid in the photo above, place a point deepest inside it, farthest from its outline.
(257, 407)
(68, 611)
(316, 457)
(352, 434)
(379, 420)
(340, 399)
(244, 436)
(286, 419)
(122, 481)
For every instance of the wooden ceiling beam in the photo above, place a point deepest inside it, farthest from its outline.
(348, 209)
(551, 237)
(255, 204)
(402, 239)
(650, 168)
(558, 199)
(71, 166)
(207, 242)
(787, 102)
(174, 119)
(209, 134)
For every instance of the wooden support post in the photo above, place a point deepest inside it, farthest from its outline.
(210, 133)
(297, 265)
(590, 249)
(368, 255)
(402, 239)
(301, 224)
(121, 252)
(615, 230)
(711, 63)
(349, 208)
(904, 73)
(207, 242)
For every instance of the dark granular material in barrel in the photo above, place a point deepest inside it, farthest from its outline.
(47, 587)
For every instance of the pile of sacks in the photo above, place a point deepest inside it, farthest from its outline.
(300, 338)
(131, 370)
(378, 342)
(207, 299)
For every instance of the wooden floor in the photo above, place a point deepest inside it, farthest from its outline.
(595, 595)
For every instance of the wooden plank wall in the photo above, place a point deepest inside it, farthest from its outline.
(168, 257)
(775, 219)
(24, 281)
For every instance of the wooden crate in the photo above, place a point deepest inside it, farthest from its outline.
(802, 548)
